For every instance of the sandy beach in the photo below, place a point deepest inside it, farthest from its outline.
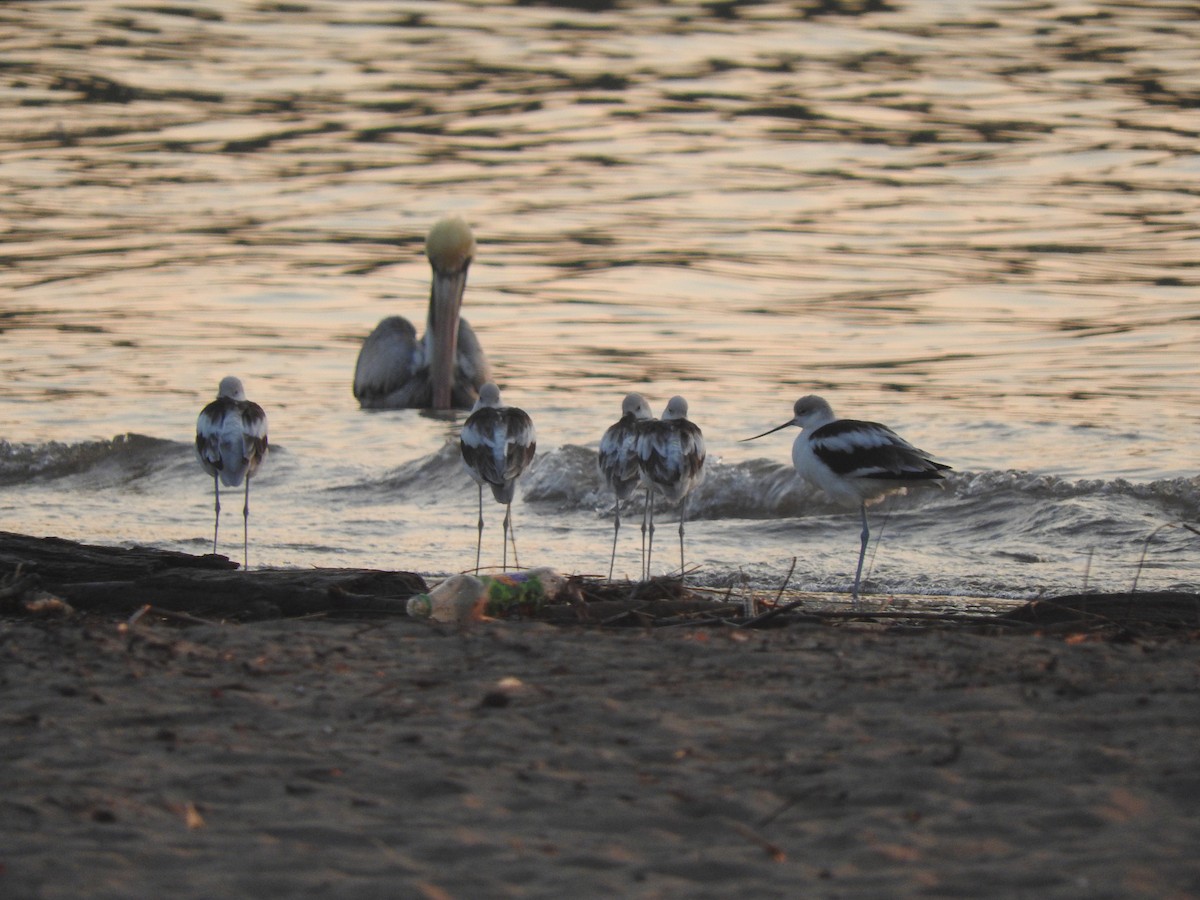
(392, 757)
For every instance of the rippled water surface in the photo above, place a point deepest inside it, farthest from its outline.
(977, 222)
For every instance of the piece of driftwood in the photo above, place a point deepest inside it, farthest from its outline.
(37, 572)
(1169, 610)
(121, 580)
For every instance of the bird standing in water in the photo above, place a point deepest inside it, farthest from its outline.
(671, 459)
(497, 445)
(618, 459)
(231, 441)
(854, 462)
(447, 366)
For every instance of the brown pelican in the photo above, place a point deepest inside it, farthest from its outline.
(231, 441)
(446, 367)
(618, 459)
(497, 444)
(671, 458)
(854, 462)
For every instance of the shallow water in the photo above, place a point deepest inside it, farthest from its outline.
(975, 222)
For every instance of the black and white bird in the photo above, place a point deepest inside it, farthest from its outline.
(231, 441)
(618, 458)
(671, 460)
(497, 445)
(854, 462)
(447, 366)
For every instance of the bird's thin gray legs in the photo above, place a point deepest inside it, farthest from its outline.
(479, 542)
(510, 533)
(650, 543)
(216, 511)
(616, 529)
(862, 552)
(246, 527)
(682, 518)
(645, 513)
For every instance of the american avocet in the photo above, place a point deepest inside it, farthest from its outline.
(231, 441)
(671, 460)
(854, 462)
(497, 444)
(445, 369)
(618, 458)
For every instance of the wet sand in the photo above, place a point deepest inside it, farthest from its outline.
(395, 758)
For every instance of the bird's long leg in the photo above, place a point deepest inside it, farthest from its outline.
(682, 517)
(216, 511)
(645, 512)
(862, 552)
(479, 542)
(650, 547)
(879, 529)
(246, 527)
(616, 528)
(511, 536)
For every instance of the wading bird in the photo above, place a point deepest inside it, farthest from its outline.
(231, 441)
(497, 445)
(671, 459)
(446, 367)
(618, 459)
(854, 462)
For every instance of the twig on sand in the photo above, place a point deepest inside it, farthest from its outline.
(169, 614)
(773, 850)
(776, 610)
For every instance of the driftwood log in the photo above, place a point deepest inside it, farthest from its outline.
(122, 580)
(1162, 610)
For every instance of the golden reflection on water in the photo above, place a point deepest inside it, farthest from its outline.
(975, 221)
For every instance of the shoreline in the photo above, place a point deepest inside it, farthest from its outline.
(824, 757)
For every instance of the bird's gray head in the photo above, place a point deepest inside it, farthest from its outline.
(450, 245)
(489, 395)
(812, 412)
(636, 405)
(677, 408)
(231, 388)
(809, 412)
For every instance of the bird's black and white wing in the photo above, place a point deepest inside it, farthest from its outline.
(671, 453)
(209, 426)
(254, 435)
(498, 443)
(618, 457)
(855, 449)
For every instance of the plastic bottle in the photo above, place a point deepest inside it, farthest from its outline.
(456, 600)
(521, 593)
(465, 598)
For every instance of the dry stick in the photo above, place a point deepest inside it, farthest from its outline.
(749, 602)
(786, 579)
(777, 610)
(621, 615)
(773, 850)
(168, 614)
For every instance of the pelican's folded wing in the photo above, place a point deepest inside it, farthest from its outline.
(389, 357)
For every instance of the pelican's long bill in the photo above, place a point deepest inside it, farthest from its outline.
(445, 307)
(772, 431)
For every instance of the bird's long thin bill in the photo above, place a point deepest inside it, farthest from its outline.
(765, 433)
(446, 304)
